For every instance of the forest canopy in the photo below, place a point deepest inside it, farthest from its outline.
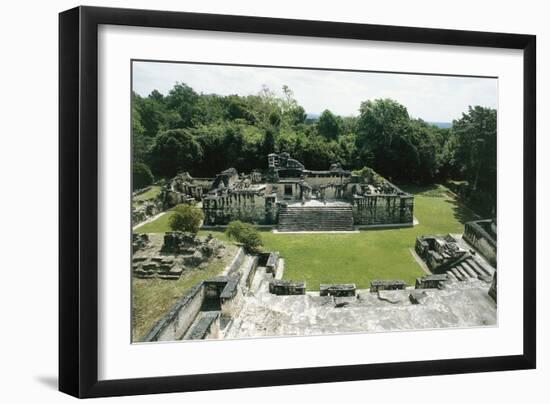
(207, 133)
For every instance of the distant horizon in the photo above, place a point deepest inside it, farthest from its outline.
(432, 98)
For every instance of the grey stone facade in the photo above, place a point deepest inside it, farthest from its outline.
(265, 198)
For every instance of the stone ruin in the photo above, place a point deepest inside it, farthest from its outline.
(457, 258)
(178, 252)
(287, 287)
(482, 235)
(250, 298)
(378, 285)
(294, 198)
(337, 290)
(454, 257)
(431, 281)
(184, 189)
(439, 252)
(139, 241)
(143, 210)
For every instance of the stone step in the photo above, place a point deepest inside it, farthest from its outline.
(316, 218)
(452, 276)
(468, 270)
(470, 266)
(462, 272)
(457, 274)
(483, 270)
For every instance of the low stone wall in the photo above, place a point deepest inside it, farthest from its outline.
(236, 262)
(248, 273)
(431, 281)
(174, 324)
(286, 287)
(481, 239)
(272, 263)
(206, 325)
(145, 210)
(212, 295)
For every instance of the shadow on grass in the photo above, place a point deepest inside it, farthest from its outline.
(461, 212)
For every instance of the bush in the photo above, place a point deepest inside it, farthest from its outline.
(245, 234)
(142, 176)
(186, 218)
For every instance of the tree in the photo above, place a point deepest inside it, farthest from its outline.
(140, 142)
(186, 218)
(269, 141)
(475, 155)
(151, 112)
(245, 234)
(142, 176)
(174, 150)
(184, 100)
(329, 125)
(476, 152)
(381, 126)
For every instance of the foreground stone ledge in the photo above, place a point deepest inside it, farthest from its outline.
(337, 290)
(416, 296)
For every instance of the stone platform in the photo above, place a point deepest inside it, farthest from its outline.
(459, 304)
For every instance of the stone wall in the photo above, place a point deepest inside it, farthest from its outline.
(481, 235)
(172, 198)
(176, 322)
(247, 206)
(382, 209)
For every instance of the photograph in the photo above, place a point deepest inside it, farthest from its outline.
(279, 201)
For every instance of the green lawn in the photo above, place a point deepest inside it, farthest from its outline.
(149, 194)
(360, 258)
(160, 225)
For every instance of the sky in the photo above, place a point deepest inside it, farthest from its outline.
(432, 98)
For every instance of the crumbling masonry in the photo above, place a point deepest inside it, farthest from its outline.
(295, 199)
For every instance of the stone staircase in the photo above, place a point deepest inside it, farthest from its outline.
(470, 268)
(329, 217)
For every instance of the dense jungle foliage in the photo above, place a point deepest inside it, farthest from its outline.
(207, 133)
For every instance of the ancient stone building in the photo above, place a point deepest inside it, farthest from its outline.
(296, 199)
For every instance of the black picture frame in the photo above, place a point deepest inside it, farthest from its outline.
(78, 200)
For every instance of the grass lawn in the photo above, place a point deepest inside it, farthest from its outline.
(370, 254)
(160, 225)
(152, 298)
(149, 194)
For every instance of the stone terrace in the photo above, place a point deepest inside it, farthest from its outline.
(458, 304)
